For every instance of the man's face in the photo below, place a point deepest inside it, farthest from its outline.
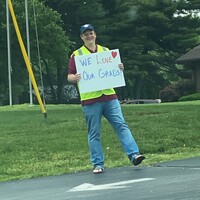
(88, 37)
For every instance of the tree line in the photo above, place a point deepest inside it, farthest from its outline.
(150, 35)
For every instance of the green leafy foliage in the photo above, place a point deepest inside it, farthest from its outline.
(53, 45)
(175, 91)
(192, 97)
(150, 35)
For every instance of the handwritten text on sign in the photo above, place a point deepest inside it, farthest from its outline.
(99, 71)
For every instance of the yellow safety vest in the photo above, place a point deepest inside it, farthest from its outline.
(91, 95)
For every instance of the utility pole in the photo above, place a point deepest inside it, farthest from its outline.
(28, 49)
(26, 59)
(9, 57)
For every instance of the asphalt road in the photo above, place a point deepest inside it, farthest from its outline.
(177, 180)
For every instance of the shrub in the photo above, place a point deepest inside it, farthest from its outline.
(169, 94)
(173, 92)
(191, 97)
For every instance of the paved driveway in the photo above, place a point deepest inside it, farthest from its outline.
(177, 180)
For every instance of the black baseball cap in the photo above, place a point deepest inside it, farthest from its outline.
(85, 27)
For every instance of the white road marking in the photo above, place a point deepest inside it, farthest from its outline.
(117, 185)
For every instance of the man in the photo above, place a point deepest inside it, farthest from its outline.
(101, 103)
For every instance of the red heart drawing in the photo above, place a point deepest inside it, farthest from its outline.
(114, 54)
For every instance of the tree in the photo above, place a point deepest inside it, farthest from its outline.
(53, 43)
(151, 37)
(75, 13)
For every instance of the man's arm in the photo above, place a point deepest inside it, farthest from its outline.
(72, 76)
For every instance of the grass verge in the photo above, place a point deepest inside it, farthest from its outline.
(31, 146)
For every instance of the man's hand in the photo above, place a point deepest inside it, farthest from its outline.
(121, 66)
(74, 78)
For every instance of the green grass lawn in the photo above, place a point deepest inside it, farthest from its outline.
(32, 146)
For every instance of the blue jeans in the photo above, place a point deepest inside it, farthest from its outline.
(111, 110)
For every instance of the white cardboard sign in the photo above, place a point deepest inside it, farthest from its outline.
(99, 71)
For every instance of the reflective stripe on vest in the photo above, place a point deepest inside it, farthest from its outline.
(91, 95)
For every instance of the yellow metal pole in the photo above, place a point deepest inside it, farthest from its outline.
(26, 58)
